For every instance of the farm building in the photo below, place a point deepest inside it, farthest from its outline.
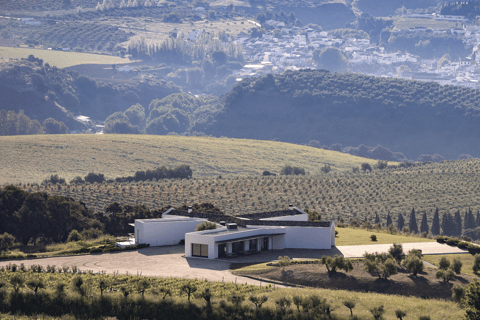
(235, 235)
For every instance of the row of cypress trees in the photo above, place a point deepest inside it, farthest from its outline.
(450, 225)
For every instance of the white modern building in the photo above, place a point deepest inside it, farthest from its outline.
(240, 235)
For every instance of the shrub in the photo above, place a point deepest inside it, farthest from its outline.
(463, 245)
(444, 263)
(458, 293)
(457, 265)
(54, 179)
(396, 250)
(74, 235)
(473, 249)
(284, 261)
(373, 237)
(453, 241)
(337, 262)
(476, 263)
(380, 264)
(413, 263)
(6, 241)
(91, 233)
(377, 312)
(446, 275)
(206, 225)
(472, 300)
(441, 239)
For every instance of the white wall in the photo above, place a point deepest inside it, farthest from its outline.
(209, 238)
(296, 217)
(164, 232)
(303, 216)
(308, 238)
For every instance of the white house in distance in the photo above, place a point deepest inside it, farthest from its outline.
(239, 235)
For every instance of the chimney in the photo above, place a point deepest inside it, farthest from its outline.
(190, 209)
(232, 226)
(290, 206)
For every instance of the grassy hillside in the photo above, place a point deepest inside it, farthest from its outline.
(450, 186)
(60, 59)
(33, 158)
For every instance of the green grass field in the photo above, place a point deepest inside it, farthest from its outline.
(33, 158)
(60, 59)
(351, 237)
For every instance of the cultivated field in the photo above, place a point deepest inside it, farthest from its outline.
(403, 23)
(450, 186)
(59, 59)
(156, 31)
(28, 159)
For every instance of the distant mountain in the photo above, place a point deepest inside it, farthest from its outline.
(406, 116)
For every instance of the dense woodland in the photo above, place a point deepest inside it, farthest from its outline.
(32, 217)
(43, 91)
(469, 9)
(352, 109)
(347, 109)
(427, 44)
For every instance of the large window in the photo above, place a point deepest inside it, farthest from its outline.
(253, 245)
(200, 250)
(237, 247)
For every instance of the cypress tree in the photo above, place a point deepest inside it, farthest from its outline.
(469, 222)
(377, 219)
(412, 224)
(389, 220)
(424, 225)
(458, 223)
(400, 222)
(477, 220)
(448, 225)
(436, 223)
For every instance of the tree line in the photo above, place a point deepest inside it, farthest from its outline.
(33, 217)
(178, 48)
(469, 9)
(181, 171)
(12, 123)
(448, 225)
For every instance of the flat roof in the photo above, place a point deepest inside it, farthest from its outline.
(272, 214)
(250, 237)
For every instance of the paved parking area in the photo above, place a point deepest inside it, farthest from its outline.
(426, 247)
(152, 261)
(170, 261)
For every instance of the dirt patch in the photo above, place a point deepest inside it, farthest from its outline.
(403, 283)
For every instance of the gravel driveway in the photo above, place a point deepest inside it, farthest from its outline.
(170, 261)
(152, 261)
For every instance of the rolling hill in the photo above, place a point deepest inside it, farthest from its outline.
(28, 159)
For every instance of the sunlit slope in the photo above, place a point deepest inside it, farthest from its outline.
(60, 59)
(33, 158)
